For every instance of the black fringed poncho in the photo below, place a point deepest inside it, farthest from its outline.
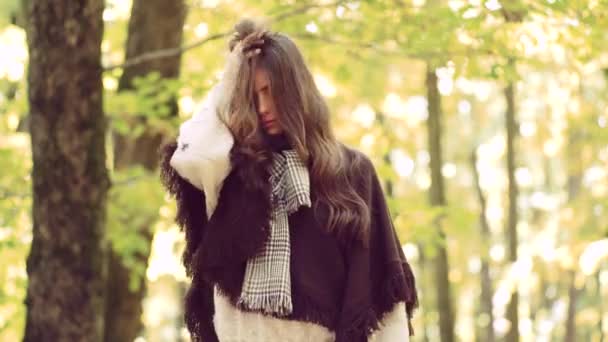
(347, 287)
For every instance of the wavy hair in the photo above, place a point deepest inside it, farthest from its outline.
(305, 118)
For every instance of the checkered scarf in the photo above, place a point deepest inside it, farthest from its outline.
(267, 283)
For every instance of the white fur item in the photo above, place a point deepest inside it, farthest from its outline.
(202, 154)
(203, 145)
(234, 325)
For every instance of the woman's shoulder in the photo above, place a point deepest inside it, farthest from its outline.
(360, 172)
(358, 161)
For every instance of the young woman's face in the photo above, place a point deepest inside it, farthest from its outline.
(265, 103)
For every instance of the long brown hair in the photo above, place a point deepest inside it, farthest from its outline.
(304, 116)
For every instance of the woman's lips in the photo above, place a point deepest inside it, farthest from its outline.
(268, 123)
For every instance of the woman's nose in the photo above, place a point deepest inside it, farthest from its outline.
(262, 107)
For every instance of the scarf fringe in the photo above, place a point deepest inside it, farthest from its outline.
(279, 304)
(304, 308)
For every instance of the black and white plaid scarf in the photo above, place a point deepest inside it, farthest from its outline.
(267, 283)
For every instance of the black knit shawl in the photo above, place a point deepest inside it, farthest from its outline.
(350, 295)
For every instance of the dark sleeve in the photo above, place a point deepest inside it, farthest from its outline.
(198, 312)
(379, 275)
(238, 228)
(191, 209)
(192, 219)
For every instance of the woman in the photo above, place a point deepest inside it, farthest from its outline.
(288, 236)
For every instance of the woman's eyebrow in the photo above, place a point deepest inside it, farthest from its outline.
(262, 88)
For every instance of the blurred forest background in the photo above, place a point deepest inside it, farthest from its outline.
(487, 121)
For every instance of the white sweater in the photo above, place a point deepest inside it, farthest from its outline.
(234, 325)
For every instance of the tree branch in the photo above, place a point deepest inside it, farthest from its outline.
(304, 9)
(164, 53)
(6, 194)
(389, 52)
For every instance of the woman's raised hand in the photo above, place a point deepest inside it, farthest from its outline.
(251, 45)
(246, 48)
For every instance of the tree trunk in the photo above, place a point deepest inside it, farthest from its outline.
(512, 14)
(511, 232)
(600, 323)
(66, 265)
(437, 198)
(425, 282)
(571, 315)
(486, 281)
(573, 187)
(154, 25)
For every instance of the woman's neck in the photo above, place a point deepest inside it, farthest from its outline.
(278, 142)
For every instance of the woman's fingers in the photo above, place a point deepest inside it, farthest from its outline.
(257, 42)
(251, 45)
(253, 42)
(253, 37)
(253, 52)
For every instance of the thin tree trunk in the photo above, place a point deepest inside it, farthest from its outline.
(486, 281)
(66, 264)
(154, 24)
(573, 187)
(600, 299)
(571, 315)
(512, 14)
(511, 232)
(425, 275)
(179, 323)
(437, 198)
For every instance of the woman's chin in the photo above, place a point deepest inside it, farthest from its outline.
(273, 131)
